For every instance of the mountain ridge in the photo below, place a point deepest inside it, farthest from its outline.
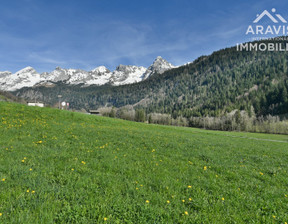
(123, 74)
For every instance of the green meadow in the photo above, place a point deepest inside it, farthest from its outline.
(64, 167)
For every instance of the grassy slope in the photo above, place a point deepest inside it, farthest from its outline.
(85, 168)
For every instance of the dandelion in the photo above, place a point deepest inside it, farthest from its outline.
(33, 192)
(189, 186)
(137, 188)
(1, 214)
(147, 201)
(168, 202)
(190, 199)
(105, 219)
(183, 200)
(186, 213)
(30, 169)
(72, 169)
(222, 199)
(216, 176)
(3, 179)
(83, 162)
(153, 150)
(274, 217)
(205, 168)
(261, 173)
(23, 161)
(25, 158)
(28, 191)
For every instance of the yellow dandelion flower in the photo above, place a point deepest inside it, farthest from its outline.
(190, 199)
(28, 191)
(222, 199)
(183, 200)
(147, 201)
(168, 202)
(105, 219)
(22, 160)
(25, 158)
(137, 188)
(261, 173)
(33, 192)
(83, 162)
(3, 179)
(72, 169)
(186, 213)
(1, 214)
(205, 168)
(274, 217)
(30, 169)
(189, 186)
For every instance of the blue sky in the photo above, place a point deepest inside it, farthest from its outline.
(85, 34)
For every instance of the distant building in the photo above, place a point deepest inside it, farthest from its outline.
(94, 112)
(36, 104)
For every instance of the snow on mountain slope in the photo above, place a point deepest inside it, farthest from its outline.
(159, 66)
(127, 74)
(26, 77)
(124, 74)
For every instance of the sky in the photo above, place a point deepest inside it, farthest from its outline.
(84, 34)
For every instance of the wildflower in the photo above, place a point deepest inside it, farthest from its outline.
(261, 173)
(83, 162)
(189, 186)
(183, 200)
(3, 179)
(33, 192)
(30, 169)
(153, 150)
(222, 199)
(72, 169)
(25, 158)
(105, 219)
(216, 176)
(137, 188)
(1, 214)
(22, 160)
(205, 168)
(168, 202)
(28, 191)
(147, 201)
(274, 217)
(186, 213)
(190, 199)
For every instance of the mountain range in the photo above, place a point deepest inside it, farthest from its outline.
(123, 74)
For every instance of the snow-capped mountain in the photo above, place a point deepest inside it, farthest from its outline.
(124, 74)
(26, 77)
(159, 66)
